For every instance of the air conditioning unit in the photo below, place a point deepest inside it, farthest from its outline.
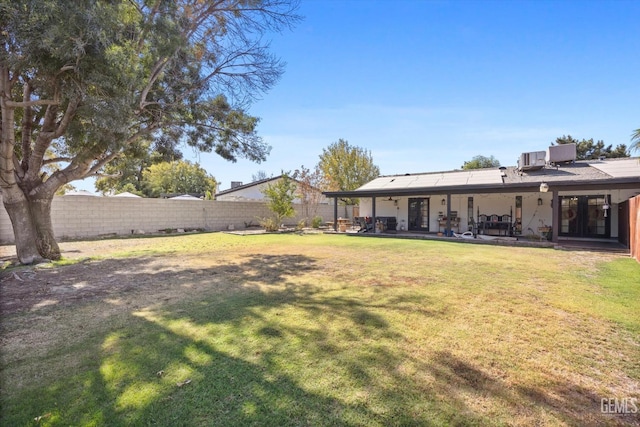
(532, 160)
(561, 153)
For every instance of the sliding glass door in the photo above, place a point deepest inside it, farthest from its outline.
(584, 216)
(419, 214)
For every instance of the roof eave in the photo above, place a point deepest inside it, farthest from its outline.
(618, 183)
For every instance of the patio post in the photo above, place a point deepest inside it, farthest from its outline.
(335, 214)
(373, 212)
(448, 228)
(555, 216)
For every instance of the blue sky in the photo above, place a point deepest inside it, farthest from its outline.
(427, 85)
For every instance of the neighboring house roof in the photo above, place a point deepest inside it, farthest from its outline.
(229, 193)
(589, 174)
(80, 193)
(126, 194)
(249, 185)
(184, 197)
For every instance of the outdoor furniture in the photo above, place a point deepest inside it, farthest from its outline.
(454, 223)
(494, 224)
(343, 223)
(365, 224)
(389, 223)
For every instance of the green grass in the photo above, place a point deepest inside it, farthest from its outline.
(282, 330)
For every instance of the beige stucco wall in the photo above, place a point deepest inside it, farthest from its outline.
(533, 215)
(86, 216)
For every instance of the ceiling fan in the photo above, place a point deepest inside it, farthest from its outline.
(391, 199)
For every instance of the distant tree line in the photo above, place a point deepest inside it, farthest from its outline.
(587, 149)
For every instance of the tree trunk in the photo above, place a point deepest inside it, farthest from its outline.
(33, 230)
(45, 240)
(23, 230)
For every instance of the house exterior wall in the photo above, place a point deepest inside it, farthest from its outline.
(255, 193)
(86, 216)
(252, 193)
(534, 216)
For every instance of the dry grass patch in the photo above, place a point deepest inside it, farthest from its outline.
(319, 330)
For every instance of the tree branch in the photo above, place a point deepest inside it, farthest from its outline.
(155, 74)
(57, 160)
(24, 104)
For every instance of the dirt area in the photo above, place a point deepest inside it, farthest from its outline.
(32, 288)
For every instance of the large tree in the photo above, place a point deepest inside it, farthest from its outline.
(480, 162)
(180, 176)
(125, 173)
(308, 190)
(346, 167)
(87, 80)
(588, 149)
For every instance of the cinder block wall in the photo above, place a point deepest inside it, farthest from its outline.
(87, 216)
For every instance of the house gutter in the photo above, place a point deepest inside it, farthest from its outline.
(531, 187)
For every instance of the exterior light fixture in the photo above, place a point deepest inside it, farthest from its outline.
(539, 201)
(443, 202)
(544, 187)
(606, 206)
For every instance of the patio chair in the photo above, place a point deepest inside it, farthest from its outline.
(508, 226)
(366, 224)
(362, 223)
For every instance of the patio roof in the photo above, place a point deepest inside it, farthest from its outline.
(586, 175)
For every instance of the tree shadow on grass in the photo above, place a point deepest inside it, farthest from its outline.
(117, 385)
(248, 368)
(559, 402)
(89, 280)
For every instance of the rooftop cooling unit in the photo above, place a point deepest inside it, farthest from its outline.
(532, 161)
(561, 153)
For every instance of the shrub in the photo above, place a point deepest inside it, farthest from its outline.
(270, 224)
(316, 222)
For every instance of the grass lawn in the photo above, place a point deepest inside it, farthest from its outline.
(278, 330)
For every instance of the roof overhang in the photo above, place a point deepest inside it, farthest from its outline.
(526, 187)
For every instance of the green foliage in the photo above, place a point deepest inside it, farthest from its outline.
(316, 222)
(270, 224)
(481, 162)
(280, 195)
(130, 188)
(93, 81)
(177, 177)
(635, 140)
(587, 149)
(126, 171)
(346, 167)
